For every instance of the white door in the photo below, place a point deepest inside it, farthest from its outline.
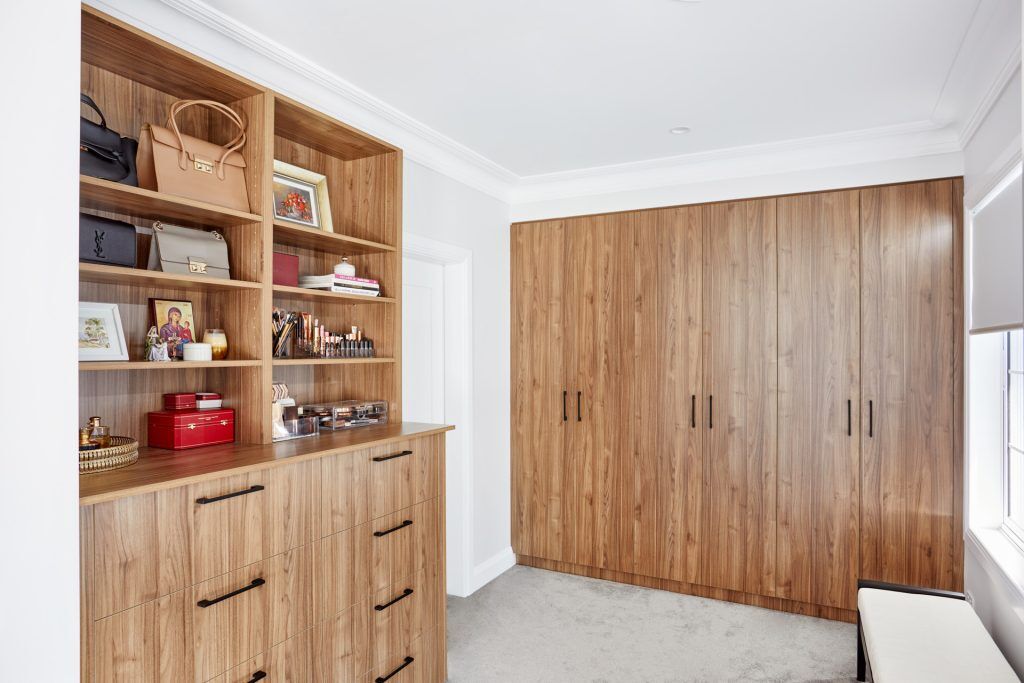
(422, 341)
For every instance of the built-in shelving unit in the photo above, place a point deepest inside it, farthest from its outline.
(134, 78)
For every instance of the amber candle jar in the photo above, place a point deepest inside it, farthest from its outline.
(219, 341)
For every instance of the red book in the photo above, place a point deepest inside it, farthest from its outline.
(286, 269)
(181, 429)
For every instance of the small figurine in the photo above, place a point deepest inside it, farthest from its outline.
(156, 348)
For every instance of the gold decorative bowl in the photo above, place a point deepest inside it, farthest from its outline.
(122, 452)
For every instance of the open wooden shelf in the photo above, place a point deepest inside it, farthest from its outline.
(118, 275)
(330, 361)
(321, 295)
(97, 366)
(103, 195)
(328, 242)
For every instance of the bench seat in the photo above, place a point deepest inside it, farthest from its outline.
(912, 637)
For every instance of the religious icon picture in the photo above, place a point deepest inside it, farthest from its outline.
(175, 324)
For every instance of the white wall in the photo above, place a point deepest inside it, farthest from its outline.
(39, 46)
(988, 156)
(443, 209)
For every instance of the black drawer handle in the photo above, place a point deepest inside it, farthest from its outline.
(405, 663)
(849, 417)
(693, 411)
(565, 415)
(871, 419)
(256, 583)
(258, 676)
(579, 401)
(252, 489)
(382, 458)
(393, 529)
(711, 411)
(406, 593)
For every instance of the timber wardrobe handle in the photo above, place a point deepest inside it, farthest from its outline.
(393, 529)
(252, 489)
(871, 419)
(258, 676)
(406, 662)
(579, 401)
(849, 417)
(565, 415)
(256, 583)
(693, 411)
(406, 593)
(382, 458)
(711, 411)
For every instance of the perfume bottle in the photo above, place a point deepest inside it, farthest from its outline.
(345, 268)
(99, 433)
(85, 440)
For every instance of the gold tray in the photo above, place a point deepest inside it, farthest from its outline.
(123, 451)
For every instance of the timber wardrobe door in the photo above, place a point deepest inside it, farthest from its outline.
(740, 386)
(910, 521)
(602, 343)
(819, 397)
(667, 457)
(543, 483)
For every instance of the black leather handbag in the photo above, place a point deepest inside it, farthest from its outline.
(103, 153)
(102, 240)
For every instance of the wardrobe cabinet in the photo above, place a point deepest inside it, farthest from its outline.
(751, 400)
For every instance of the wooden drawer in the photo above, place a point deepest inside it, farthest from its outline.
(402, 613)
(135, 550)
(247, 611)
(402, 475)
(419, 662)
(239, 520)
(341, 571)
(287, 662)
(145, 644)
(342, 646)
(344, 485)
(404, 542)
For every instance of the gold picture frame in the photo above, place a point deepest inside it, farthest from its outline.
(300, 197)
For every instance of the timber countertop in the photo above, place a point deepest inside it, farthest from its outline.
(159, 469)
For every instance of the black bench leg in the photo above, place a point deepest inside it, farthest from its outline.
(861, 663)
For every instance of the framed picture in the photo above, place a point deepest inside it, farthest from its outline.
(300, 196)
(175, 324)
(100, 335)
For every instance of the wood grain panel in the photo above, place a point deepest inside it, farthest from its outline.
(345, 492)
(288, 662)
(139, 549)
(342, 571)
(740, 382)
(227, 633)
(150, 643)
(342, 646)
(426, 665)
(600, 326)
(819, 386)
(399, 480)
(237, 531)
(412, 546)
(542, 479)
(908, 360)
(668, 455)
(396, 625)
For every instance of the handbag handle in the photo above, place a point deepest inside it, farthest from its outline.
(236, 143)
(88, 100)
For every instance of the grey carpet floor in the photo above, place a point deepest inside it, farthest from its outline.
(531, 625)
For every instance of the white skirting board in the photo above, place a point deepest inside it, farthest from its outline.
(492, 568)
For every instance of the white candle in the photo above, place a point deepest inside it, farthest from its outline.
(198, 351)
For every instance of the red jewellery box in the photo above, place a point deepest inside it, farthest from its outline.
(180, 429)
(180, 401)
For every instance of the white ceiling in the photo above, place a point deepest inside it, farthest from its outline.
(544, 86)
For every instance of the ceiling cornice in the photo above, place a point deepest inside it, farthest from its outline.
(327, 91)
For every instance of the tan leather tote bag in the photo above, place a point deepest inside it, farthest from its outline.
(190, 167)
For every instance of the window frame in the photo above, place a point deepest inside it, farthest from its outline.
(1010, 527)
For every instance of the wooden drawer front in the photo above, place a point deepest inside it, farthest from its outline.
(272, 513)
(402, 475)
(341, 573)
(275, 603)
(419, 663)
(137, 550)
(287, 662)
(148, 643)
(404, 542)
(344, 488)
(398, 620)
(342, 646)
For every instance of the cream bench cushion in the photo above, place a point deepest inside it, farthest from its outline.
(926, 638)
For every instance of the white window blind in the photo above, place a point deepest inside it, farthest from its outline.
(997, 258)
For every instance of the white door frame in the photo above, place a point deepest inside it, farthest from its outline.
(457, 263)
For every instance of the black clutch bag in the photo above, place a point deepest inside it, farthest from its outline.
(102, 240)
(103, 153)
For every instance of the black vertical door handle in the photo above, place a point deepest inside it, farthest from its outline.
(849, 417)
(693, 411)
(579, 410)
(711, 411)
(565, 415)
(871, 419)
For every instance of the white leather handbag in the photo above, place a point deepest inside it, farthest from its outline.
(187, 251)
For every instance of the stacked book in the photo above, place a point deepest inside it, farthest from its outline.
(344, 284)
